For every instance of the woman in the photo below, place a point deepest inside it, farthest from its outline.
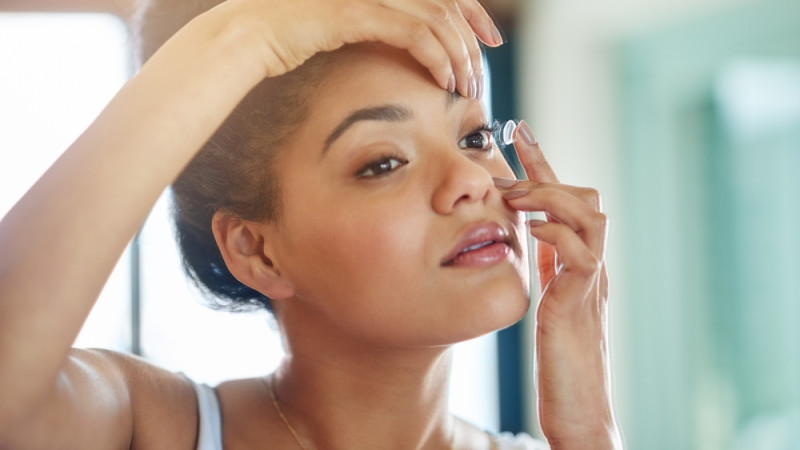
(352, 192)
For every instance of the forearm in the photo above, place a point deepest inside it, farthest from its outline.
(62, 239)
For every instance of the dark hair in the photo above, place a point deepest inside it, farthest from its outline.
(233, 172)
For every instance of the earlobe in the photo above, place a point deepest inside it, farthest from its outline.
(243, 247)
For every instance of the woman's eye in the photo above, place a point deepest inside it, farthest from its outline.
(381, 167)
(478, 140)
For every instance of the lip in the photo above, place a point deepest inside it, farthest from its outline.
(481, 244)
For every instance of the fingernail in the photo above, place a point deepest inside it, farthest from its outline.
(504, 183)
(451, 84)
(526, 133)
(516, 193)
(535, 223)
(473, 87)
(498, 38)
(480, 86)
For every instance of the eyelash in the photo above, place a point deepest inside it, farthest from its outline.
(378, 171)
(378, 165)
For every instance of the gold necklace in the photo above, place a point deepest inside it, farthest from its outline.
(278, 409)
(270, 384)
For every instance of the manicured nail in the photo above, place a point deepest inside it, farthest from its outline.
(473, 87)
(480, 86)
(536, 222)
(504, 183)
(451, 84)
(516, 193)
(526, 133)
(498, 38)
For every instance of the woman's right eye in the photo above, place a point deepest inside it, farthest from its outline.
(380, 167)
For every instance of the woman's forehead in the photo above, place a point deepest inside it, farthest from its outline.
(368, 76)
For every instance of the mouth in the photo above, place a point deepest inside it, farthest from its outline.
(481, 245)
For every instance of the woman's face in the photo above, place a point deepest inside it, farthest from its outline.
(385, 183)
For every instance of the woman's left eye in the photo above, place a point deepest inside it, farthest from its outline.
(477, 140)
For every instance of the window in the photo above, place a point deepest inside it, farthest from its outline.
(57, 72)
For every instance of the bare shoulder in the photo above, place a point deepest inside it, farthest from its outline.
(163, 404)
(104, 400)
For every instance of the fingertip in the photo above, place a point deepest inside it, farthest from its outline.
(524, 132)
(497, 37)
(451, 84)
(504, 183)
(515, 193)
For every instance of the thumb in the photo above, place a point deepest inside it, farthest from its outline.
(546, 263)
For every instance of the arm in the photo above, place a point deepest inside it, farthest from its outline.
(574, 396)
(60, 242)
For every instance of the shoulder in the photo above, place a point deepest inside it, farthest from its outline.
(163, 404)
(102, 399)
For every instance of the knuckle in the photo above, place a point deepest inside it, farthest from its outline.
(418, 31)
(591, 196)
(589, 265)
(600, 220)
(438, 13)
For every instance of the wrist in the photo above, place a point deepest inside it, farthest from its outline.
(228, 43)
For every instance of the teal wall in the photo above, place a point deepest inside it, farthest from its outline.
(711, 223)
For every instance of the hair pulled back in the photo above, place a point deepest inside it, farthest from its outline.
(233, 172)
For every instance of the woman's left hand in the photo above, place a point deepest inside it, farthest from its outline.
(574, 398)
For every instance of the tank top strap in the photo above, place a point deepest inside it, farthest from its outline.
(209, 432)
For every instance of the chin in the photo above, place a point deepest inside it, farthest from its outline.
(495, 308)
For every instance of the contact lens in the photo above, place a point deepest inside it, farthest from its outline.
(507, 132)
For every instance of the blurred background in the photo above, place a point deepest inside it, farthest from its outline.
(684, 114)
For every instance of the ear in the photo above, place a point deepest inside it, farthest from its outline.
(243, 247)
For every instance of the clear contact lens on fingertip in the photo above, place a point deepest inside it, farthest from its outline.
(508, 132)
(505, 132)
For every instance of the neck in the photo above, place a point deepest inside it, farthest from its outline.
(367, 398)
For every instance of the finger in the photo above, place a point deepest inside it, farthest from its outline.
(530, 155)
(447, 24)
(480, 22)
(564, 208)
(580, 267)
(475, 56)
(590, 196)
(381, 24)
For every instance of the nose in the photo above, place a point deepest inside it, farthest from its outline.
(461, 182)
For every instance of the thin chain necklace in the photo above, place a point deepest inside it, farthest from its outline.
(282, 415)
(279, 410)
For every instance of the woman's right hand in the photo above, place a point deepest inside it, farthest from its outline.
(440, 34)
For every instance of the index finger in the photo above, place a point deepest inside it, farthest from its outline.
(530, 155)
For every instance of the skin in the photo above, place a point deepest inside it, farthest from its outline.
(370, 365)
(366, 307)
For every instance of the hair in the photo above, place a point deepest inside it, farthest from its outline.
(234, 171)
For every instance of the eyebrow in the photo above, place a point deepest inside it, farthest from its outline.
(386, 113)
(452, 98)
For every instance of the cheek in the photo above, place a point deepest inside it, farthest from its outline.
(498, 166)
(351, 249)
